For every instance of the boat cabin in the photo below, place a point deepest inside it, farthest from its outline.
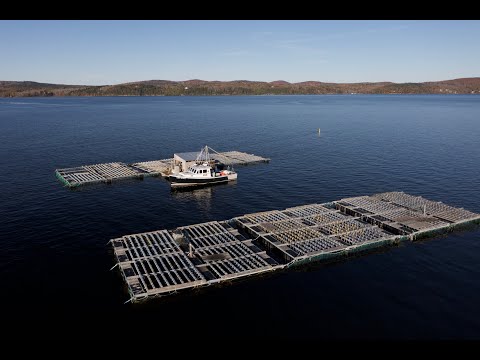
(201, 170)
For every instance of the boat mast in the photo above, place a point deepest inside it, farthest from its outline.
(203, 156)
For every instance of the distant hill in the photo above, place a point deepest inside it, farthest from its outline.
(238, 87)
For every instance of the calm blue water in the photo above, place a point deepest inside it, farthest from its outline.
(54, 261)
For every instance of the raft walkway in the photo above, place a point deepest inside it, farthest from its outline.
(166, 261)
(109, 172)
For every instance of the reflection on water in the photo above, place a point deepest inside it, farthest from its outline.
(200, 194)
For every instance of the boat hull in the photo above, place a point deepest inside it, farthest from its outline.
(178, 182)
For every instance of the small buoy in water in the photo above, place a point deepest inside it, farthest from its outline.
(318, 131)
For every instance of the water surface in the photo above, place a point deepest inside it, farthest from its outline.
(54, 258)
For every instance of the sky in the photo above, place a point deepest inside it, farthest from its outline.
(110, 52)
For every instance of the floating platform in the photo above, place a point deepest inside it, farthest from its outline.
(100, 173)
(109, 172)
(166, 261)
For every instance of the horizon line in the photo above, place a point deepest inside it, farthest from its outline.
(225, 81)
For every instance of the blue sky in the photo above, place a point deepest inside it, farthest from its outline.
(112, 52)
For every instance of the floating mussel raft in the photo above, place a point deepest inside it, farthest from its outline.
(164, 262)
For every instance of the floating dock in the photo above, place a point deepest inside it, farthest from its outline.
(166, 261)
(108, 172)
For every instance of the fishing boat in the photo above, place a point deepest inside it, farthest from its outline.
(204, 171)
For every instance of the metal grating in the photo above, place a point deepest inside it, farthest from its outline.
(296, 235)
(202, 230)
(235, 249)
(416, 203)
(455, 215)
(342, 227)
(212, 240)
(412, 219)
(370, 204)
(237, 157)
(113, 170)
(283, 225)
(315, 245)
(306, 210)
(362, 235)
(154, 263)
(266, 216)
(149, 244)
(159, 272)
(401, 214)
(238, 266)
(79, 175)
(326, 218)
(155, 166)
